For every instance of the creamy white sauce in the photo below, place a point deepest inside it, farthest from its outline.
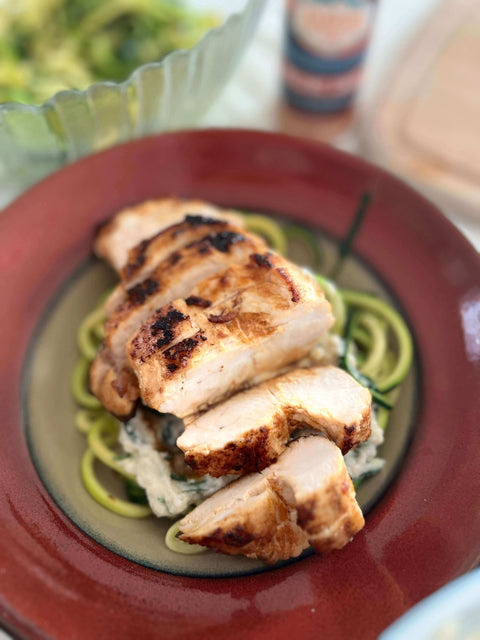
(363, 460)
(327, 351)
(166, 495)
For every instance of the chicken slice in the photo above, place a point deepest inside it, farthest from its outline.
(247, 517)
(307, 497)
(111, 377)
(134, 224)
(145, 257)
(260, 317)
(250, 430)
(314, 470)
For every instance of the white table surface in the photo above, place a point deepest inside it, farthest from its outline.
(251, 96)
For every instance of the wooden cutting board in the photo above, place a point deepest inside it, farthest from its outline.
(426, 123)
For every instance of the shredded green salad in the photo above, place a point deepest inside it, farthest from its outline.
(377, 352)
(51, 45)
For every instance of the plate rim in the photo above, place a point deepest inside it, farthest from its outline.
(17, 259)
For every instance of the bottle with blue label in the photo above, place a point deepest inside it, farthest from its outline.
(325, 47)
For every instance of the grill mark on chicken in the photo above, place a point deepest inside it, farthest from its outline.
(224, 240)
(179, 355)
(197, 219)
(137, 260)
(235, 537)
(223, 316)
(249, 455)
(165, 325)
(262, 260)
(306, 513)
(291, 284)
(221, 241)
(350, 437)
(140, 292)
(163, 253)
(196, 301)
(174, 258)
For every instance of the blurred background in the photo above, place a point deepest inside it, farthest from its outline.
(416, 108)
(394, 82)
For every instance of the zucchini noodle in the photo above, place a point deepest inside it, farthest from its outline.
(336, 300)
(103, 433)
(378, 344)
(80, 389)
(85, 419)
(104, 497)
(91, 332)
(382, 416)
(174, 543)
(397, 326)
(268, 229)
(362, 338)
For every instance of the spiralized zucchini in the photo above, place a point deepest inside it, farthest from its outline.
(85, 419)
(378, 344)
(100, 428)
(179, 546)
(103, 433)
(395, 325)
(336, 300)
(91, 333)
(80, 389)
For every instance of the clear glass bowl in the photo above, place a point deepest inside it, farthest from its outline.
(156, 97)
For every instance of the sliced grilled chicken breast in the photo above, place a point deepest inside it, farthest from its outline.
(111, 377)
(248, 517)
(134, 224)
(307, 497)
(251, 320)
(250, 430)
(145, 257)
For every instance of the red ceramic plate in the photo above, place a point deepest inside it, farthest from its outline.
(56, 581)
